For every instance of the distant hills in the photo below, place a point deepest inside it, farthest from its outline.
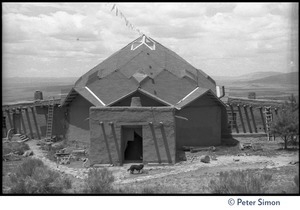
(259, 75)
(288, 78)
(265, 84)
(270, 77)
(23, 88)
(39, 80)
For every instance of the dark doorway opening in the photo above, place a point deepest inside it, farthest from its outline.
(132, 144)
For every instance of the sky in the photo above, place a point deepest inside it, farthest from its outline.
(222, 39)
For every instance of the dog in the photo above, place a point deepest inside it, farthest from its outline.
(136, 167)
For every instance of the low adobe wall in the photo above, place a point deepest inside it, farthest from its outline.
(23, 119)
(158, 130)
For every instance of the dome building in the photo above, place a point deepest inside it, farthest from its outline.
(143, 104)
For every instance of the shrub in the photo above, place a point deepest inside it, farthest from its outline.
(99, 181)
(145, 189)
(240, 182)
(54, 149)
(286, 125)
(33, 177)
(14, 147)
(150, 190)
(296, 181)
(67, 183)
(28, 166)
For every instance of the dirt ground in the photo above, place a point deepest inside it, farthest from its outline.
(193, 176)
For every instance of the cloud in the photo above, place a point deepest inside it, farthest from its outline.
(214, 8)
(216, 37)
(251, 9)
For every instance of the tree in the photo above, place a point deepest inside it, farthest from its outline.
(286, 125)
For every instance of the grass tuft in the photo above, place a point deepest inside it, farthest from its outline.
(14, 147)
(240, 182)
(99, 181)
(33, 177)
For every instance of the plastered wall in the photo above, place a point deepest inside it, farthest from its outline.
(203, 124)
(158, 139)
(78, 120)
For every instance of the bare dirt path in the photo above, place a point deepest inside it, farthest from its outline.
(224, 162)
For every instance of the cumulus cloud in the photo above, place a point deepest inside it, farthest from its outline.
(219, 38)
(251, 9)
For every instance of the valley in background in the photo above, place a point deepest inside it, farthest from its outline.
(266, 85)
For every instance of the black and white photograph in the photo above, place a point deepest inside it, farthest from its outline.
(150, 98)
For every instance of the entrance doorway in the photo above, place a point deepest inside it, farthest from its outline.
(132, 139)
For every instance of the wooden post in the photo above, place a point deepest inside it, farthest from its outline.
(232, 115)
(115, 139)
(106, 142)
(247, 118)
(14, 121)
(253, 119)
(22, 120)
(35, 122)
(4, 126)
(163, 133)
(276, 111)
(155, 142)
(241, 116)
(262, 118)
(29, 124)
(9, 118)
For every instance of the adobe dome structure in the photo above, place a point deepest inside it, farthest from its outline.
(144, 103)
(146, 65)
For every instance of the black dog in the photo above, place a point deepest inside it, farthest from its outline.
(135, 167)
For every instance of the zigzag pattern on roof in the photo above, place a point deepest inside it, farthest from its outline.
(146, 64)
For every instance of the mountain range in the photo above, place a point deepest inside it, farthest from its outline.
(287, 78)
(271, 77)
(22, 88)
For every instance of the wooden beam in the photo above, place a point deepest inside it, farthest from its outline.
(116, 140)
(14, 120)
(9, 118)
(276, 111)
(263, 119)
(155, 142)
(247, 118)
(22, 121)
(163, 133)
(29, 124)
(241, 117)
(106, 142)
(35, 122)
(232, 115)
(253, 119)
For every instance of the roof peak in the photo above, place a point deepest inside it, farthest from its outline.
(143, 40)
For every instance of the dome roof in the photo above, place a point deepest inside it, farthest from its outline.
(142, 64)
